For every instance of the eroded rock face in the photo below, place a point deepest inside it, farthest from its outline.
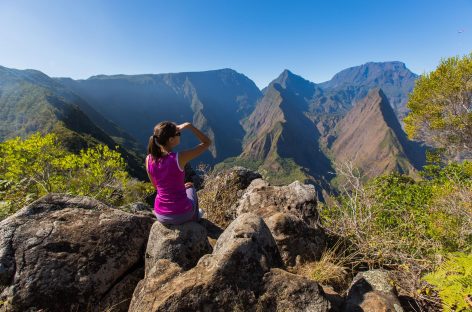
(222, 192)
(284, 291)
(372, 291)
(66, 253)
(182, 244)
(291, 215)
(266, 200)
(295, 238)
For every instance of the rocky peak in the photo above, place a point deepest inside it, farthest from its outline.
(371, 136)
(295, 83)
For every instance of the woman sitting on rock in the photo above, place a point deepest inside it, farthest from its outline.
(176, 201)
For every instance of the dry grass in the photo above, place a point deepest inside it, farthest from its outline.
(334, 268)
(220, 194)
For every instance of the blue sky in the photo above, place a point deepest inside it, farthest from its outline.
(314, 39)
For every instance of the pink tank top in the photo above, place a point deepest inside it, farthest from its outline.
(170, 181)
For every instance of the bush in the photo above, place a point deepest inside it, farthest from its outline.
(38, 165)
(453, 279)
(395, 219)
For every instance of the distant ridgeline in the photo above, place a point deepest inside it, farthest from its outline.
(292, 129)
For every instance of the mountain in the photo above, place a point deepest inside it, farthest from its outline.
(31, 101)
(394, 78)
(370, 135)
(299, 127)
(215, 101)
(280, 139)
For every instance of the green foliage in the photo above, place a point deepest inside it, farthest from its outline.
(283, 171)
(39, 165)
(453, 279)
(441, 106)
(394, 218)
(237, 161)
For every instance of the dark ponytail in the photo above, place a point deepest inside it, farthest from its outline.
(163, 131)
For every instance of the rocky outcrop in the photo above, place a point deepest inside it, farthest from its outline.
(372, 291)
(291, 215)
(265, 200)
(284, 291)
(222, 192)
(297, 241)
(66, 253)
(182, 244)
(238, 275)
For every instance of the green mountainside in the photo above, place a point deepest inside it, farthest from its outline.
(30, 102)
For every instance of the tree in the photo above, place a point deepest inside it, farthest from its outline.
(441, 106)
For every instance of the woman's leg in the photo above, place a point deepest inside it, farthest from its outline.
(192, 195)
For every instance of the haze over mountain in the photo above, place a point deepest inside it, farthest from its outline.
(215, 101)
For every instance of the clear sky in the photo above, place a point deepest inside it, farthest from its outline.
(314, 39)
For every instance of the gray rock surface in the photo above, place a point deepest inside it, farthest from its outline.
(266, 200)
(291, 214)
(232, 278)
(66, 253)
(372, 291)
(183, 244)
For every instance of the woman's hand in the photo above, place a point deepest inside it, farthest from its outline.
(183, 126)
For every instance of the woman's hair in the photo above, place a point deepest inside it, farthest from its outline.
(163, 131)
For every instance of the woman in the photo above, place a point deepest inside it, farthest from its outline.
(176, 202)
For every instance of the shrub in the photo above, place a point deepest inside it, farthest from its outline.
(38, 165)
(393, 218)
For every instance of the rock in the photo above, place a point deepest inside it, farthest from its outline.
(229, 279)
(124, 289)
(138, 207)
(183, 244)
(284, 291)
(221, 193)
(266, 200)
(291, 215)
(66, 253)
(334, 298)
(295, 238)
(372, 291)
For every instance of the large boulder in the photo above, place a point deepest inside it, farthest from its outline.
(240, 275)
(222, 191)
(229, 279)
(66, 253)
(372, 291)
(291, 214)
(183, 244)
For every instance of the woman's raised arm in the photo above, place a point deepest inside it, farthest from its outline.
(186, 156)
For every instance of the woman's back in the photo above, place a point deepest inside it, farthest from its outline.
(169, 178)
